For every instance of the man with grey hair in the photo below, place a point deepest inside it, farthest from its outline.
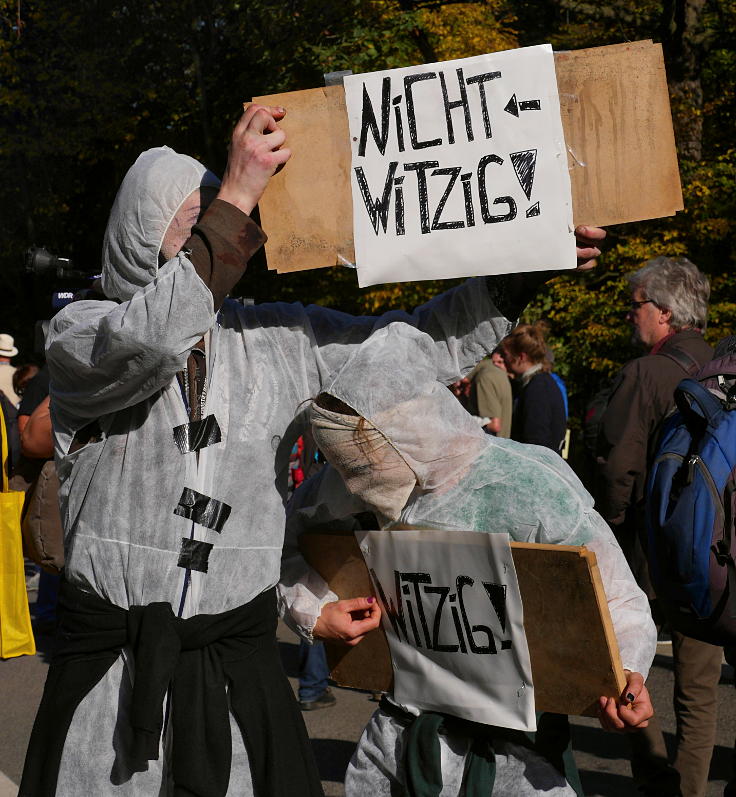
(669, 305)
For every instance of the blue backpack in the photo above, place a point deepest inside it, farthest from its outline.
(691, 508)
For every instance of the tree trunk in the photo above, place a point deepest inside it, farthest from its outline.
(682, 39)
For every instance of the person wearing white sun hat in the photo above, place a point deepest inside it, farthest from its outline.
(8, 350)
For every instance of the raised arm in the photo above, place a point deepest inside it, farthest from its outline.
(105, 356)
(466, 322)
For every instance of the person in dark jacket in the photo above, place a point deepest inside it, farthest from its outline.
(669, 306)
(539, 410)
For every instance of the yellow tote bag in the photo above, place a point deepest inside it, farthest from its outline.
(16, 634)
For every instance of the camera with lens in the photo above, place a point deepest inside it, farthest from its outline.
(39, 262)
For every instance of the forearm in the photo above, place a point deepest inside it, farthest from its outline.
(465, 324)
(322, 503)
(220, 247)
(301, 594)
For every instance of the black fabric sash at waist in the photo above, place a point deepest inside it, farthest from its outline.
(212, 663)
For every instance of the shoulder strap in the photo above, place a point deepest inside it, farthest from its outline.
(686, 361)
(697, 405)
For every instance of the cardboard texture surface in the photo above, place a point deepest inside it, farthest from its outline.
(337, 558)
(572, 646)
(308, 213)
(618, 130)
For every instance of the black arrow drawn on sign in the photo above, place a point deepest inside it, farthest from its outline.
(524, 164)
(513, 106)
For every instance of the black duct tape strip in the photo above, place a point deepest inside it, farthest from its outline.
(197, 434)
(202, 509)
(194, 554)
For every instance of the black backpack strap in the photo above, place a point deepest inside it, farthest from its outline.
(698, 407)
(686, 361)
(723, 549)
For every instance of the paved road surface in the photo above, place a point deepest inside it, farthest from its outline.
(601, 757)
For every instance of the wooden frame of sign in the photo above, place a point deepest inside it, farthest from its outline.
(616, 117)
(572, 646)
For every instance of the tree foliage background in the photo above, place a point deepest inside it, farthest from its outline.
(85, 86)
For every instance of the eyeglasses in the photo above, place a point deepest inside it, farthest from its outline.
(637, 305)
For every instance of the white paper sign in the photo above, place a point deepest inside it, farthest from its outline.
(453, 618)
(459, 169)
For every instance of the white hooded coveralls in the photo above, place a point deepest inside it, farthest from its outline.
(464, 480)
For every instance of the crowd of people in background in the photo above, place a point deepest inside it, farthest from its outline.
(515, 392)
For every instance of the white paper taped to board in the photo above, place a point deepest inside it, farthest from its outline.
(454, 621)
(459, 169)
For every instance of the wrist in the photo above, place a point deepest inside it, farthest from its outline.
(240, 199)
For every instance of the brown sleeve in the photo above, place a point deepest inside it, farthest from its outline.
(221, 245)
(511, 293)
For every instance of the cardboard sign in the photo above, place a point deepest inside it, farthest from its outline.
(459, 169)
(572, 646)
(618, 135)
(453, 618)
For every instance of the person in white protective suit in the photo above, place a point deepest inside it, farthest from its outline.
(409, 453)
(174, 413)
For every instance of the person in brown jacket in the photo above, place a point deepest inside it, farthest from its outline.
(669, 305)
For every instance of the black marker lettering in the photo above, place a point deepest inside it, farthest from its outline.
(463, 581)
(368, 119)
(421, 168)
(468, 196)
(458, 627)
(461, 103)
(409, 80)
(436, 644)
(378, 208)
(399, 208)
(399, 123)
(482, 165)
(412, 620)
(481, 80)
(501, 200)
(452, 172)
(488, 217)
(497, 594)
(394, 614)
(416, 579)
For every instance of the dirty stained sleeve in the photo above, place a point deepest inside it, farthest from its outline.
(221, 245)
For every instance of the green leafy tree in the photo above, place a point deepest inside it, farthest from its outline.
(85, 87)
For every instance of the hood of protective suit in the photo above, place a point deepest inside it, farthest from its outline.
(391, 381)
(151, 193)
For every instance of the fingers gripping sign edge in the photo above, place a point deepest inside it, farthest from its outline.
(256, 154)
